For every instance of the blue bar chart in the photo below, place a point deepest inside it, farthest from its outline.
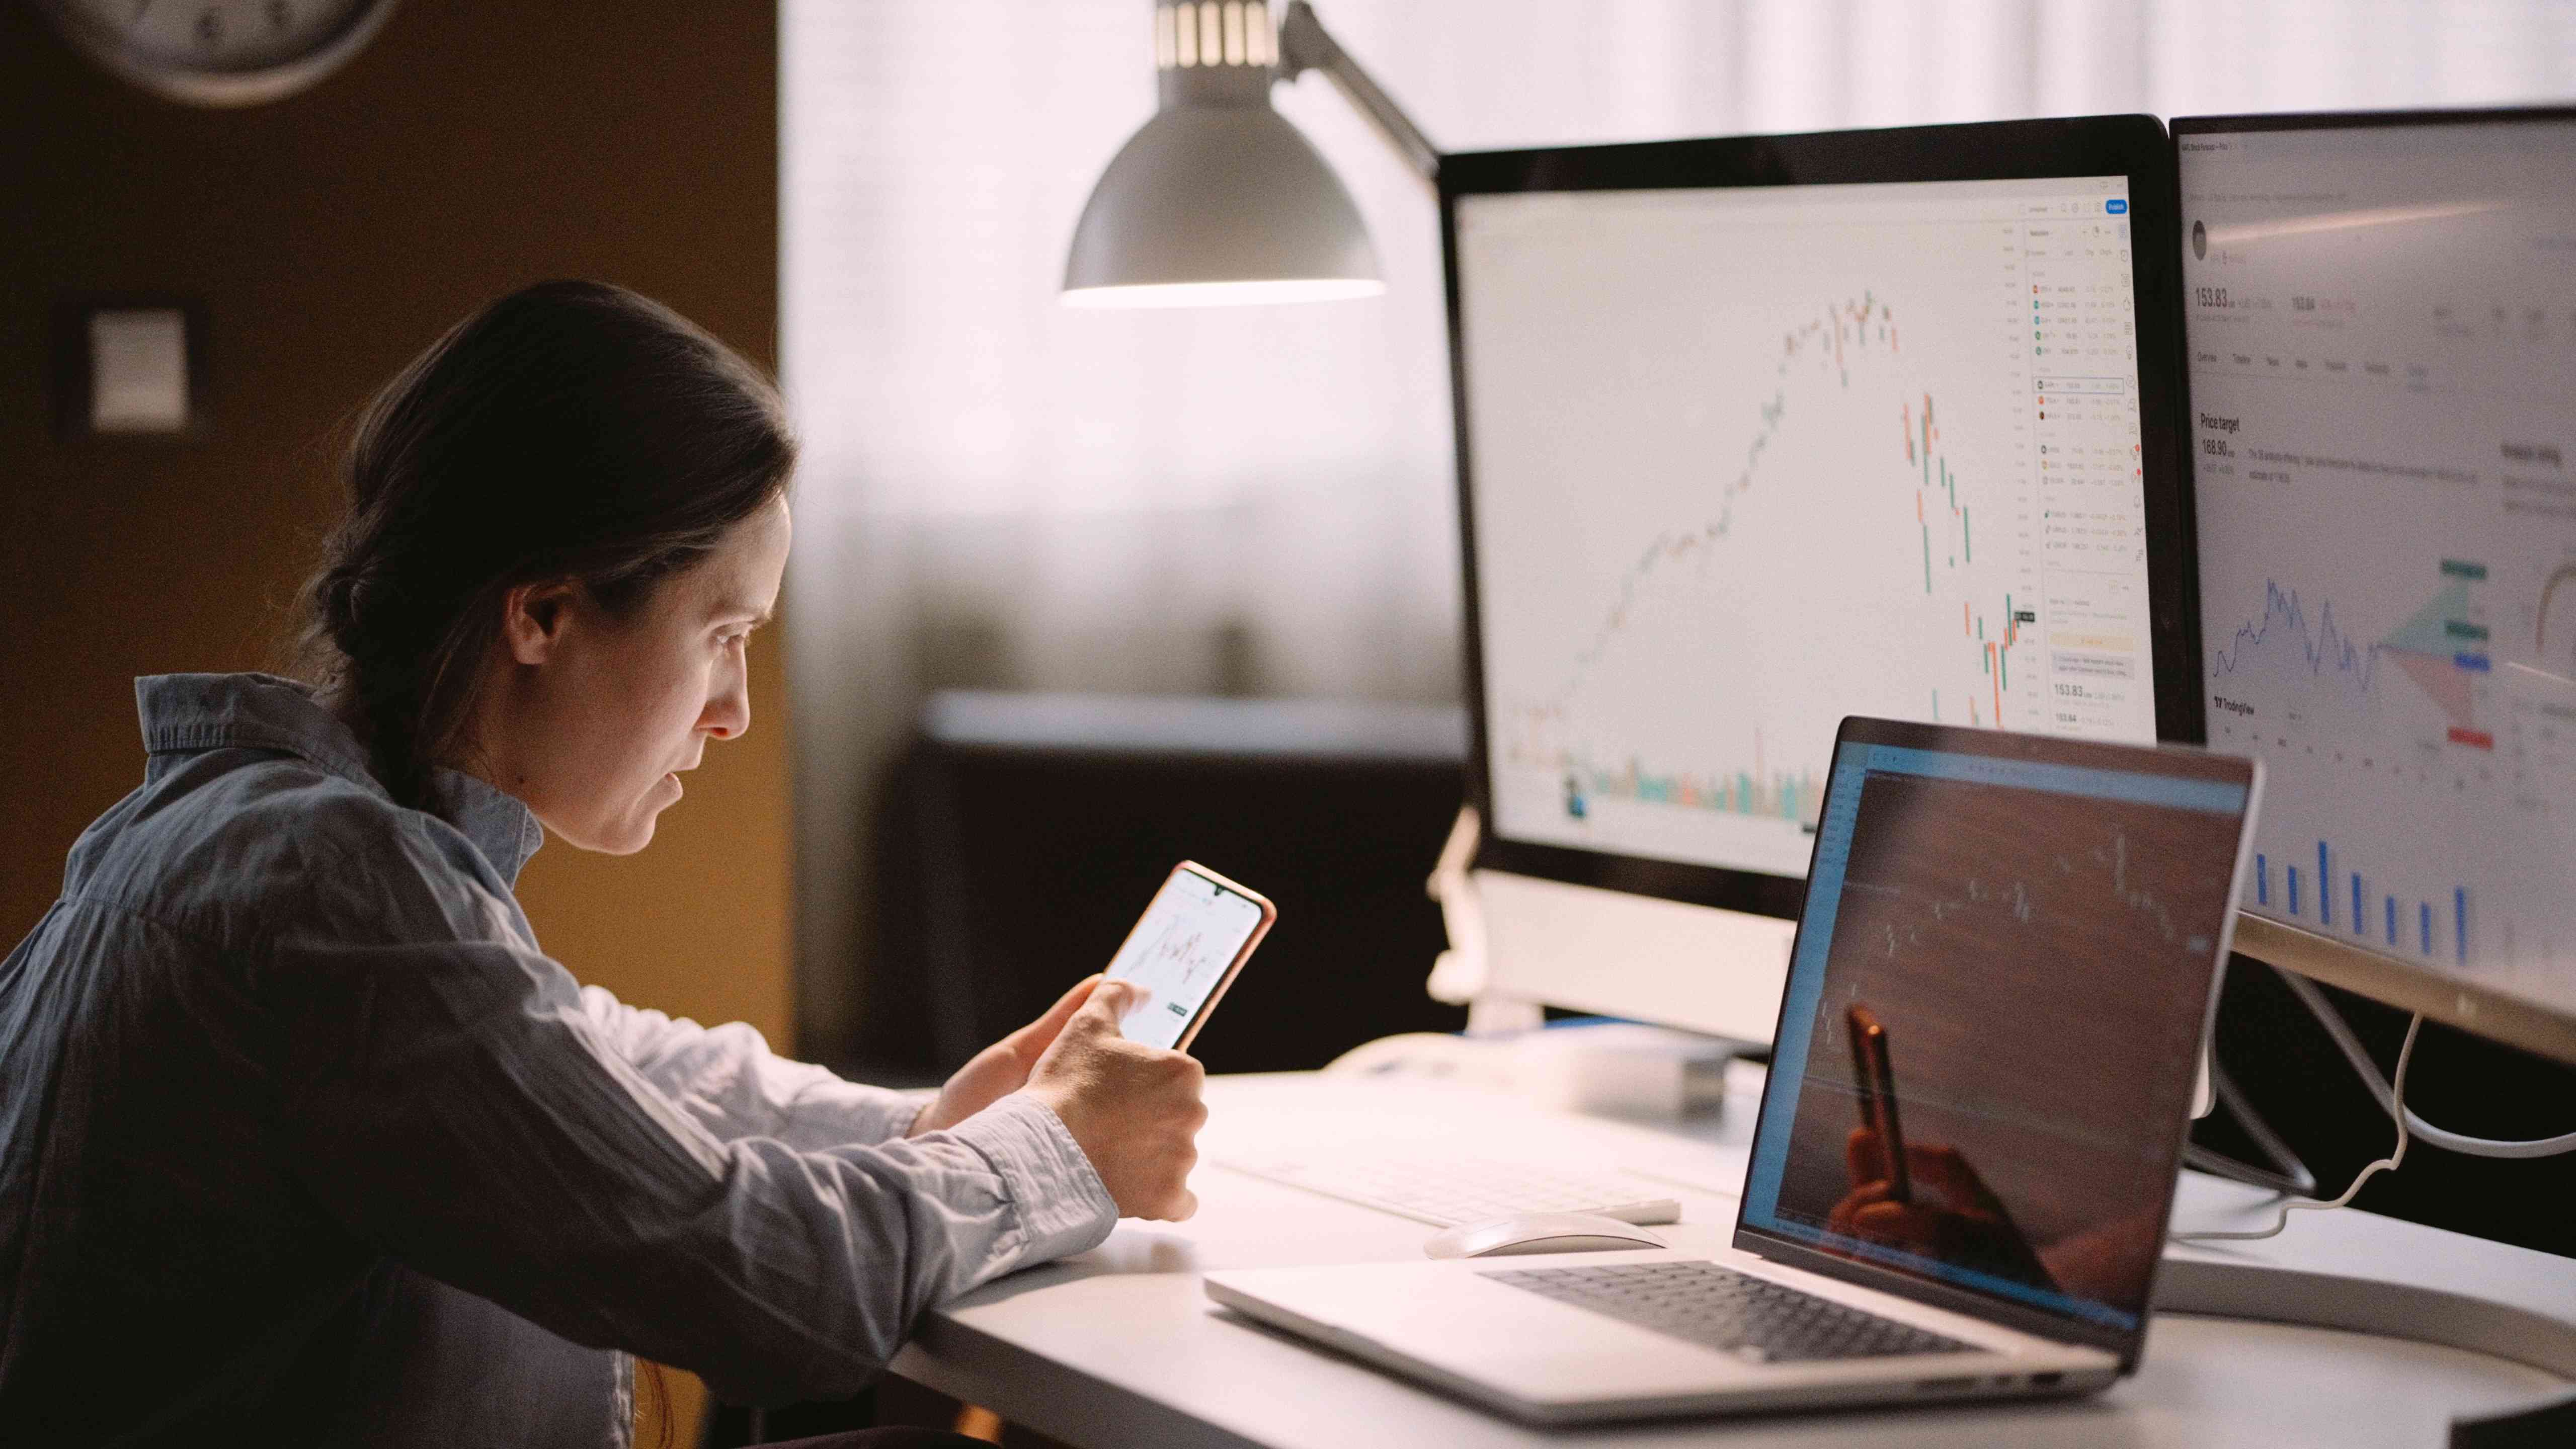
(2315, 907)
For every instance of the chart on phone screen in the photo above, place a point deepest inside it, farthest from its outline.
(1179, 953)
(1749, 460)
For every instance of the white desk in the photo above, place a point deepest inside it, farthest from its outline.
(1121, 1347)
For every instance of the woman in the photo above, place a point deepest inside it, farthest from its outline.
(302, 1139)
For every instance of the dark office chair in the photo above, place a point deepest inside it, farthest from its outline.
(1024, 833)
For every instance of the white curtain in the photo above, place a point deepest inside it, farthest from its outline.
(1002, 492)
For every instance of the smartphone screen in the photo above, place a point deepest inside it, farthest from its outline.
(1183, 950)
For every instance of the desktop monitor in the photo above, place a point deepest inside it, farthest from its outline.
(2381, 321)
(1757, 433)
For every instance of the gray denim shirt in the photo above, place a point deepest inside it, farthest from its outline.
(304, 1141)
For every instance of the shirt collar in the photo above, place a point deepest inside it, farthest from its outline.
(184, 712)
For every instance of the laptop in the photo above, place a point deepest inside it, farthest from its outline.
(1967, 1150)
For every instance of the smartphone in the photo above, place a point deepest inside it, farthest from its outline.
(1194, 936)
(1877, 1080)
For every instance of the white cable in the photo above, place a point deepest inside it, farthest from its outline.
(2433, 1136)
(2390, 1163)
(2423, 1131)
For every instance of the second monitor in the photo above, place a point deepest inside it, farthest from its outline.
(1757, 433)
(2381, 316)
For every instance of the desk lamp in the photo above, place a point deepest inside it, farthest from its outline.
(1218, 199)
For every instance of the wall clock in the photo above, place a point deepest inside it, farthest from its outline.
(219, 52)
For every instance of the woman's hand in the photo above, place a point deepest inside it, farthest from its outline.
(1953, 1216)
(1002, 1068)
(1134, 1109)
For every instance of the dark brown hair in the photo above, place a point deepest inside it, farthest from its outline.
(570, 431)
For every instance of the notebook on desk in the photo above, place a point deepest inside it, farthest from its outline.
(1967, 1150)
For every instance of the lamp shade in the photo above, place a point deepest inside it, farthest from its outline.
(1218, 203)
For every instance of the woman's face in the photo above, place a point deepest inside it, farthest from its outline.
(600, 714)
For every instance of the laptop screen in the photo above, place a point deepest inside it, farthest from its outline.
(2004, 965)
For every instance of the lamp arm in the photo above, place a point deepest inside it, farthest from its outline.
(1304, 45)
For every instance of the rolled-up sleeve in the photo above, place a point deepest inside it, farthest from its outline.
(451, 1095)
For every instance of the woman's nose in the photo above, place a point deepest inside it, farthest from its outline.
(729, 712)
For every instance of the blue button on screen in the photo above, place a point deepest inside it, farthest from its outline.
(2116, 207)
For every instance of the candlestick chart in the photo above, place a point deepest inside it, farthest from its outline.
(1802, 475)
(1675, 590)
(1179, 953)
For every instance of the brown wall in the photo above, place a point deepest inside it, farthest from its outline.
(477, 145)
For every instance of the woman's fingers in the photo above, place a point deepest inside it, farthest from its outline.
(1866, 1195)
(1134, 1110)
(1948, 1173)
(1901, 1225)
(1863, 1158)
(1032, 1040)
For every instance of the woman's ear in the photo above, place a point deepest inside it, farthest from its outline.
(532, 619)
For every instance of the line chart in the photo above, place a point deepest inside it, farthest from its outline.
(1833, 340)
(1738, 474)
(2441, 648)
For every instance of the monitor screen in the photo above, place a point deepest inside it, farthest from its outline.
(2381, 330)
(2004, 965)
(1749, 459)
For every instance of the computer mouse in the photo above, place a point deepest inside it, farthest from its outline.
(1540, 1233)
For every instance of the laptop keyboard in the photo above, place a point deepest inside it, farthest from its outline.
(1732, 1312)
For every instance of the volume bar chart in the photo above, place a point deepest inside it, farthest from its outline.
(1772, 794)
(2315, 905)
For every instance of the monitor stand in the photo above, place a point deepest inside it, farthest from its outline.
(2213, 1287)
(1701, 969)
